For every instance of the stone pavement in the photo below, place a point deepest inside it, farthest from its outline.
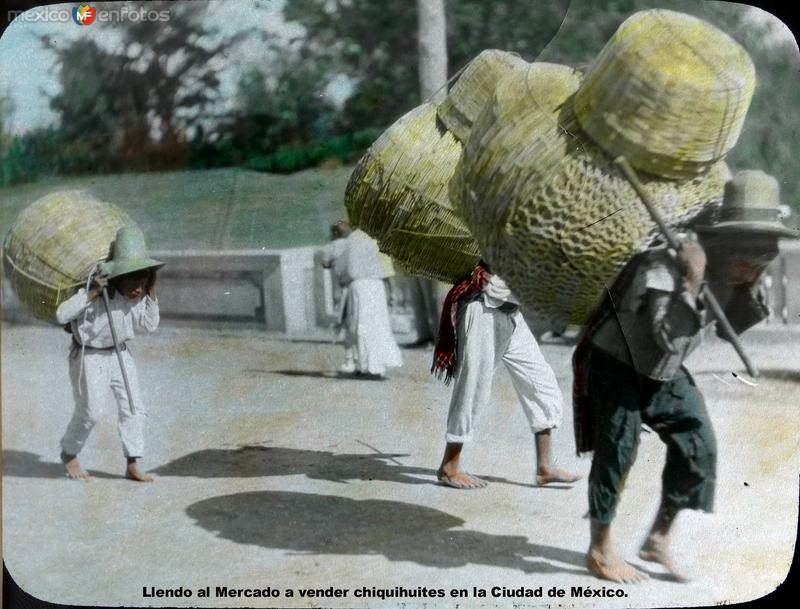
(273, 474)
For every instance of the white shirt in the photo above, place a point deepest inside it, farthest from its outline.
(92, 330)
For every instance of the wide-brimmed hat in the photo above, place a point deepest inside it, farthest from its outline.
(129, 253)
(751, 204)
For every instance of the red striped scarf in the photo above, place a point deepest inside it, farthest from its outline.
(444, 356)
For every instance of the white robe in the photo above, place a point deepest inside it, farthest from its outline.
(370, 346)
(368, 328)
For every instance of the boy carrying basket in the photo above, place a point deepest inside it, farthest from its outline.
(94, 366)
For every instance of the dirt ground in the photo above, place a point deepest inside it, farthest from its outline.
(273, 474)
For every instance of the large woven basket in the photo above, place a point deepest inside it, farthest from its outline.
(669, 91)
(552, 213)
(398, 193)
(54, 244)
(474, 90)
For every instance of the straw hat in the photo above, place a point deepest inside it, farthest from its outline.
(398, 194)
(751, 205)
(474, 90)
(669, 92)
(129, 253)
(549, 208)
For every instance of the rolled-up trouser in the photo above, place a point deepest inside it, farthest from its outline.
(101, 378)
(485, 337)
(675, 410)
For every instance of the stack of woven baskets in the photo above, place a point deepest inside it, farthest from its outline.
(54, 244)
(536, 185)
(399, 191)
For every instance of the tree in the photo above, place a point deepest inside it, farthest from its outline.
(6, 110)
(273, 111)
(432, 45)
(374, 44)
(134, 107)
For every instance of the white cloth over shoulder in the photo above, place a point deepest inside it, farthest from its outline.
(496, 293)
(356, 257)
(92, 329)
(361, 257)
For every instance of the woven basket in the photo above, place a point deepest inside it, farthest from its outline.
(535, 87)
(668, 91)
(54, 244)
(551, 212)
(474, 90)
(398, 193)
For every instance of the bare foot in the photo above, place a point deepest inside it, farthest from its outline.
(612, 567)
(133, 473)
(549, 475)
(73, 466)
(461, 480)
(656, 550)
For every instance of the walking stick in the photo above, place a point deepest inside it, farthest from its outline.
(116, 349)
(710, 299)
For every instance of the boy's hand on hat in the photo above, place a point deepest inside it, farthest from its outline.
(150, 287)
(98, 283)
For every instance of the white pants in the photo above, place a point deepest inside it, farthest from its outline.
(369, 335)
(485, 337)
(101, 378)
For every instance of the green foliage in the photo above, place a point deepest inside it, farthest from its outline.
(375, 44)
(31, 157)
(291, 114)
(344, 148)
(132, 108)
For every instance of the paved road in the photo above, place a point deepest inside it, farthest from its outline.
(272, 474)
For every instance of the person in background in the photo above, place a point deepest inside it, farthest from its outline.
(370, 346)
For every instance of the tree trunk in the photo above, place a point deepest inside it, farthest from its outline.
(432, 45)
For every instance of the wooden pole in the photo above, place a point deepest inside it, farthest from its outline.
(117, 350)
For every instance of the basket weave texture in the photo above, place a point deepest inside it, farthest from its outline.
(668, 91)
(398, 194)
(55, 243)
(552, 213)
(474, 90)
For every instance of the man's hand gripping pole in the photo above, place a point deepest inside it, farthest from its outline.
(673, 242)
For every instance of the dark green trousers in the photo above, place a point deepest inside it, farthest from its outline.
(621, 401)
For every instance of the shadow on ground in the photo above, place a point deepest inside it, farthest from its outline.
(24, 464)
(252, 461)
(327, 524)
(317, 374)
